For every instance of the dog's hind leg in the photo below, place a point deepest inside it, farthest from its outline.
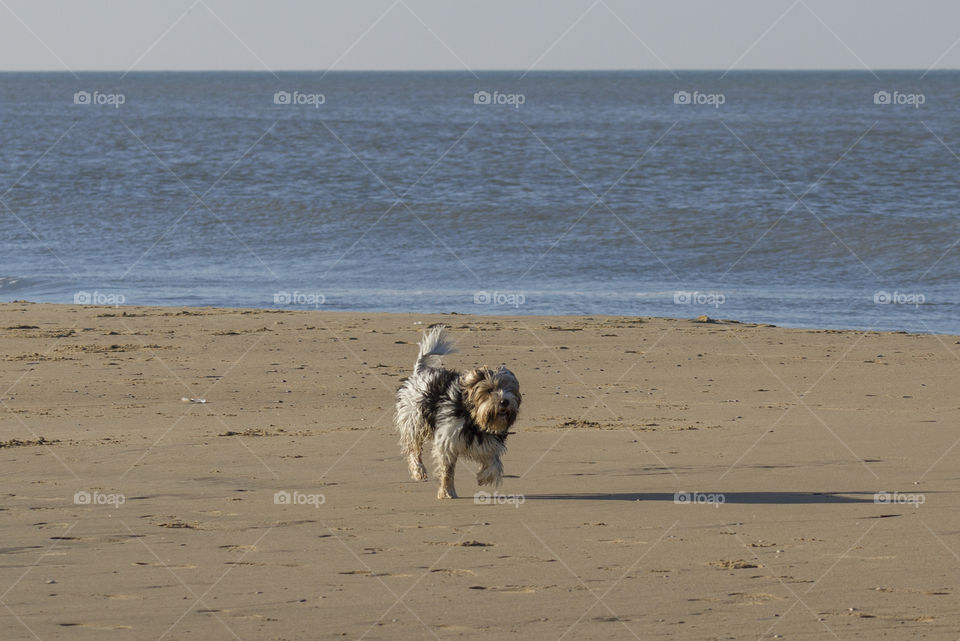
(415, 461)
(412, 435)
(447, 491)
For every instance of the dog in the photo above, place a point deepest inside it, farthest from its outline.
(466, 415)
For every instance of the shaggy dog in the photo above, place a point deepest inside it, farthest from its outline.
(465, 414)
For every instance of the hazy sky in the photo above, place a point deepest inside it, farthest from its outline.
(481, 35)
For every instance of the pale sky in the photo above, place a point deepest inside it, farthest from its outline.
(481, 35)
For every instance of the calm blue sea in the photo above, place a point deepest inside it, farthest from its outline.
(815, 199)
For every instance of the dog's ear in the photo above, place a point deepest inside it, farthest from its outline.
(474, 376)
(509, 381)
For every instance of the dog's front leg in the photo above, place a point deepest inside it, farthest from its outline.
(491, 471)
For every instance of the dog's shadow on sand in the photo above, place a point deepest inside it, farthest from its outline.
(749, 498)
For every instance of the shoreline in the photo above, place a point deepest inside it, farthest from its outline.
(712, 319)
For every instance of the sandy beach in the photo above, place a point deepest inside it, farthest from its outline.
(173, 473)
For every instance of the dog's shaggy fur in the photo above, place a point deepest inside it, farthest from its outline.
(466, 415)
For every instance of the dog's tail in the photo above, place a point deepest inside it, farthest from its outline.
(433, 345)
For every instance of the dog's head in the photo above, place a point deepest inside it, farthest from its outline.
(493, 397)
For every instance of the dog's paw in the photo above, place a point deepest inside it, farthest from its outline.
(445, 493)
(418, 473)
(490, 476)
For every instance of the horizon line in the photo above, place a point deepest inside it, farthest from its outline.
(496, 70)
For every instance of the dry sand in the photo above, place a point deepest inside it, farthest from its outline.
(793, 430)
